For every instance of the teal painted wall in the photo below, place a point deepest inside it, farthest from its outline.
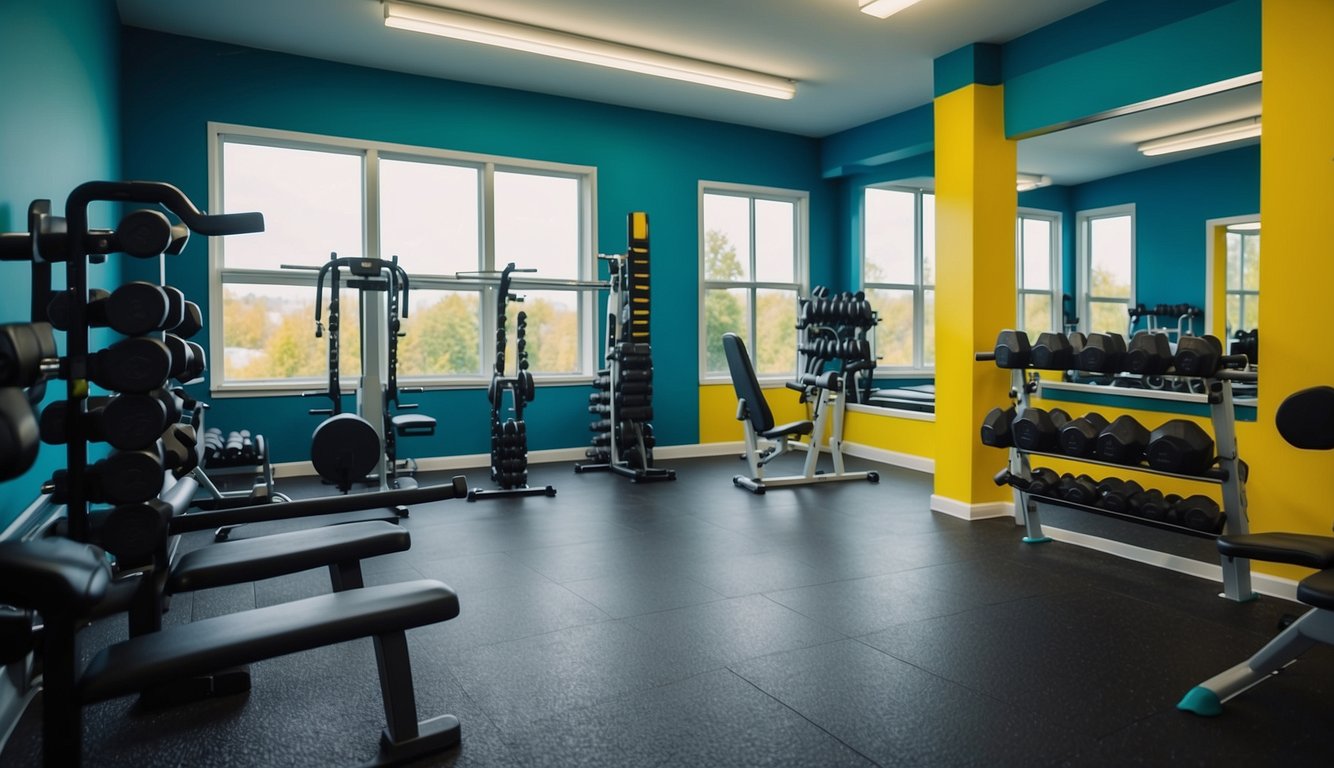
(1172, 202)
(1123, 52)
(646, 161)
(59, 126)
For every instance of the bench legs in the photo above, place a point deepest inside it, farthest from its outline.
(1314, 627)
(404, 738)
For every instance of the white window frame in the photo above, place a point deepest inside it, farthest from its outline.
(1211, 275)
(919, 368)
(801, 269)
(1083, 220)
(371, 152)
(1056, 276)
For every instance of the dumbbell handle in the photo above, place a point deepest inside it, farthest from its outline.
(984, 357)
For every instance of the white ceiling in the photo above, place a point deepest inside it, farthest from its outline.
(850, 68)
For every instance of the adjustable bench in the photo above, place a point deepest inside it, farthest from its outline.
(754, 413)
(1306, 420)
(65, 581)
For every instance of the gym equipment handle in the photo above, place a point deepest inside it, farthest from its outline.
(984, 357)
(170, 198)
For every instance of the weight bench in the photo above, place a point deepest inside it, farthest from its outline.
(1306, 420)
(754, 413)
(65, 582)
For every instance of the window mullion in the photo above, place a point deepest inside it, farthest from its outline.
(918, 298)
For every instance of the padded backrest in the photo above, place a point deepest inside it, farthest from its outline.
(1306, 418)
(746, 385)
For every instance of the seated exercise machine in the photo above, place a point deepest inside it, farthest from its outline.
(823, 390)
(348, 447)
(1306, 420)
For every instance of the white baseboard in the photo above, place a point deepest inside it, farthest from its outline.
(892, 458)
(1265, 584)
(965, 511)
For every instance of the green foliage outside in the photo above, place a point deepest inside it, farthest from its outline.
(726, 309)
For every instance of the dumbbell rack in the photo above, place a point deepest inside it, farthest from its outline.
(834, 328)
(144, 233)
(509, 436)
(623, 391)
(1229, 475)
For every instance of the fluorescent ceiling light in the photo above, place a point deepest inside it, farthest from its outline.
(1204, 137)
(883, 9)
(1027, 181)
(561, 45)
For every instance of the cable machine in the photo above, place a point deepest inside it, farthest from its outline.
(348, 447)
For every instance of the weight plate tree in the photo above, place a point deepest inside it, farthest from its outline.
(508, 394)
(622, 398)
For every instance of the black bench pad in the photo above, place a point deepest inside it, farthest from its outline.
(1318, 589)
(795, 429)
(1296, 548)
(237, 562)
(206, 646)
(414, 425)
(52, 576)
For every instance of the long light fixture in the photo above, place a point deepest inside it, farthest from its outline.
(1029, 181)
(561, 45)
(883, 9)
(1204, 137)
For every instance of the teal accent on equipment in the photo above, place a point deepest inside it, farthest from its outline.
(1201, 701)
(1036, 539)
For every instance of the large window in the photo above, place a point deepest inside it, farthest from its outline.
(1039, 277)
(753, 262)
(439, 213)
(899, 274)
(1243, 278)
(1107, 267)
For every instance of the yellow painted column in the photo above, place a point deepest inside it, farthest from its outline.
(976, 206)
(1289, 489)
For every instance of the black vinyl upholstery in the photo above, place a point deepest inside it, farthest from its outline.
(53, 576)
(1307, 550)
(747, 387)
(1306, 418)
(241, 638)
(265, 557)
(1317, 590)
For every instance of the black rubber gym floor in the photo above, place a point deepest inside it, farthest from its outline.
(690, 623)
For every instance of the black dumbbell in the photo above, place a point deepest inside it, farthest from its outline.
(123, 477)
(1180, 446)
(1123, 441)
(192, 321)
(19, 433)
(1200, 513)
(1012, 349)
(1079, 437)
(1114, 494)
(148, 233)
(1036, 429)
(132, 365)
(1043, 482)
(1202, 356)
(1150, 354)
(1102, 353)
(996, 428)
(1151, 504)
(1079, 490)
(1052, 352)
(180, 453)
(132, 532)
(27, 354)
